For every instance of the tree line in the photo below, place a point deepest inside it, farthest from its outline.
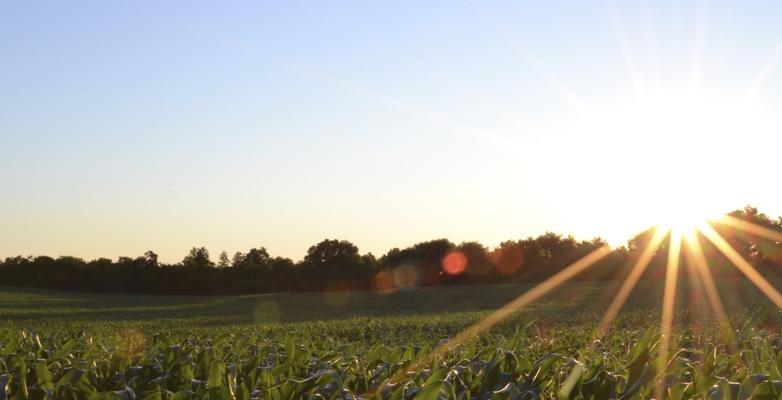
(334, 265)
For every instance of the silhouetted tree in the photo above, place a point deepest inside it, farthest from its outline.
(151, 259)
(338, 264)
(237, 259)
(198, 258)
(331, 263)
(426, 258)
(256, 259)
(223, 261)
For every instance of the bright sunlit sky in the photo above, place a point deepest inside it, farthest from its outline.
(129, 126)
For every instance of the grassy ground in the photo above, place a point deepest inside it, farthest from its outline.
(34, 305)
(301, 345)
(580, 302)
(422, 316)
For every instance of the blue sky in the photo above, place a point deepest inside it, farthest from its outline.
(128, 126)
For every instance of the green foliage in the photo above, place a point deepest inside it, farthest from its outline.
(247, 365)
(169, 352)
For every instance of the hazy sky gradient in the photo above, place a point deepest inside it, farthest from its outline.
(128, 126)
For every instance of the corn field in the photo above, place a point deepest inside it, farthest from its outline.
(70, 347)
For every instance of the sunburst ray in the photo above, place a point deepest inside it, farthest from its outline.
(616, 304)
(750, 227)
(632, 279)
(503, 312)
(629, 60)
(669, 300)
(742, 264)
(762, 75)
(697, 51)
(701, 266)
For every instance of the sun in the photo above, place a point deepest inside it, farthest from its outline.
(685, 142)
(682, 221)
(672, 159)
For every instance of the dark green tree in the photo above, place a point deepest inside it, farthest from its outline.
(198, 258)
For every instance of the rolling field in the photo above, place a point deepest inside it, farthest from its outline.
(363, 344)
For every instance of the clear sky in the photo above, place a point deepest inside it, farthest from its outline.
(128, 126)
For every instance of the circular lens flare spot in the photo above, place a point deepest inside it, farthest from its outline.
(384, 282)
(507, 260)
(454, 263)
(405, 276)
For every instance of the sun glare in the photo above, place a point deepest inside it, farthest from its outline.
(670, 157)
(681, 222)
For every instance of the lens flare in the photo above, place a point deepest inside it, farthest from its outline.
(406, 276)
(507, 260)
(455, 263)
(669, 300)
(503, 312)
(698, 261)
(743, 265)
(384, 283)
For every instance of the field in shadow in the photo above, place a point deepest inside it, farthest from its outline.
(21, 305)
